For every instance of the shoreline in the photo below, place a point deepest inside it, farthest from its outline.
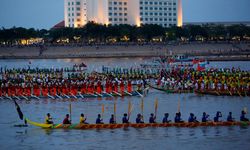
(208, 51)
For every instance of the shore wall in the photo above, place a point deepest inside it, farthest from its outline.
(102, 51)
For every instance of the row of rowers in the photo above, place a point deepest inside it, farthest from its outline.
(152, 118)
(69, 88)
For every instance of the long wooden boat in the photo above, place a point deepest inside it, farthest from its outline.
(171, 90)
(222, 93)
(142, 125)
(78, 96)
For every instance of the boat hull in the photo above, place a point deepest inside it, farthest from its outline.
(132, 125)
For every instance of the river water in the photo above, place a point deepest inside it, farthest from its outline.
(206, 138)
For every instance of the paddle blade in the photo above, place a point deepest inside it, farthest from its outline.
(245, 110)
(20, 114)
(179, 106)
(115, 108)
(102, 108)
(142, 105)
(129, 107)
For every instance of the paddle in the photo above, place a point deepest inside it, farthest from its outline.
(179, 106)
(130, 108)
(102, 110)
(142, 107)
(115, 111)
(156, 106)
(245, 109)
(70, 111)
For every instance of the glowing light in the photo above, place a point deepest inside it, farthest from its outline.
(179, 19)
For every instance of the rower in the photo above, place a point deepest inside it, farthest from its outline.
(48, 119)
(66, 120)
(165, 119)
(112, 119)
(83, 119)
(204, 117)
(177, 118)
(152, 118)
(192, 118)
(242, 117)
(139, 119)
(217, 116)
(125, 119)
(230, 118)
(99, 119)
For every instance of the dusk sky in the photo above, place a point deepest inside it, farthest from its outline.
(46, 13)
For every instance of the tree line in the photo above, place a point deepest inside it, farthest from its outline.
(98, 33)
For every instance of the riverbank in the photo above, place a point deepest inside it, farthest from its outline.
(209, 51)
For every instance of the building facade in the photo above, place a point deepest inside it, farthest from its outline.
(134, 12)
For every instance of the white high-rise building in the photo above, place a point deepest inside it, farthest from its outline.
(134, 12)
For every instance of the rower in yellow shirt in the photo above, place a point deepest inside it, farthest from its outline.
(48, 119)
(83, 119)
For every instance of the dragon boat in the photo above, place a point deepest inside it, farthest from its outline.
(78, 96)
(222, 93)
(133, 125)
(169, 91)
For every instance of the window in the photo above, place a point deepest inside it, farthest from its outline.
(160, 8)
(110, 19)
(78, 20)
(120, 8)
(146, 3)
(125, 14)
(160, 19)
(68, 3)
(78, 14)
(156, 3)
(146, 8)
(156, 8)
(125, 3)
(73, 14)
(69, 20)
(72, 8)
(69, 14)
(156, 14)
(110, 8)
(169, 19)
(120, 19)
(141, 3)
(141, 19)
(110, 14)
(146, 19)
(115, 3)
(146, 14)
(156, 19)
(72, 3)
(120, 14)
(78, 3)
(115, 14)
(174, 8)
(141, 13)
(174, 3)
(68, 9)
(174, 19)
(115, 19)
(141, 8)
(120, 3)
(174, 14)
(125, 19)
(170, 14)
(73, 20)
(78, 8)
(125, 8)
(115, 8)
